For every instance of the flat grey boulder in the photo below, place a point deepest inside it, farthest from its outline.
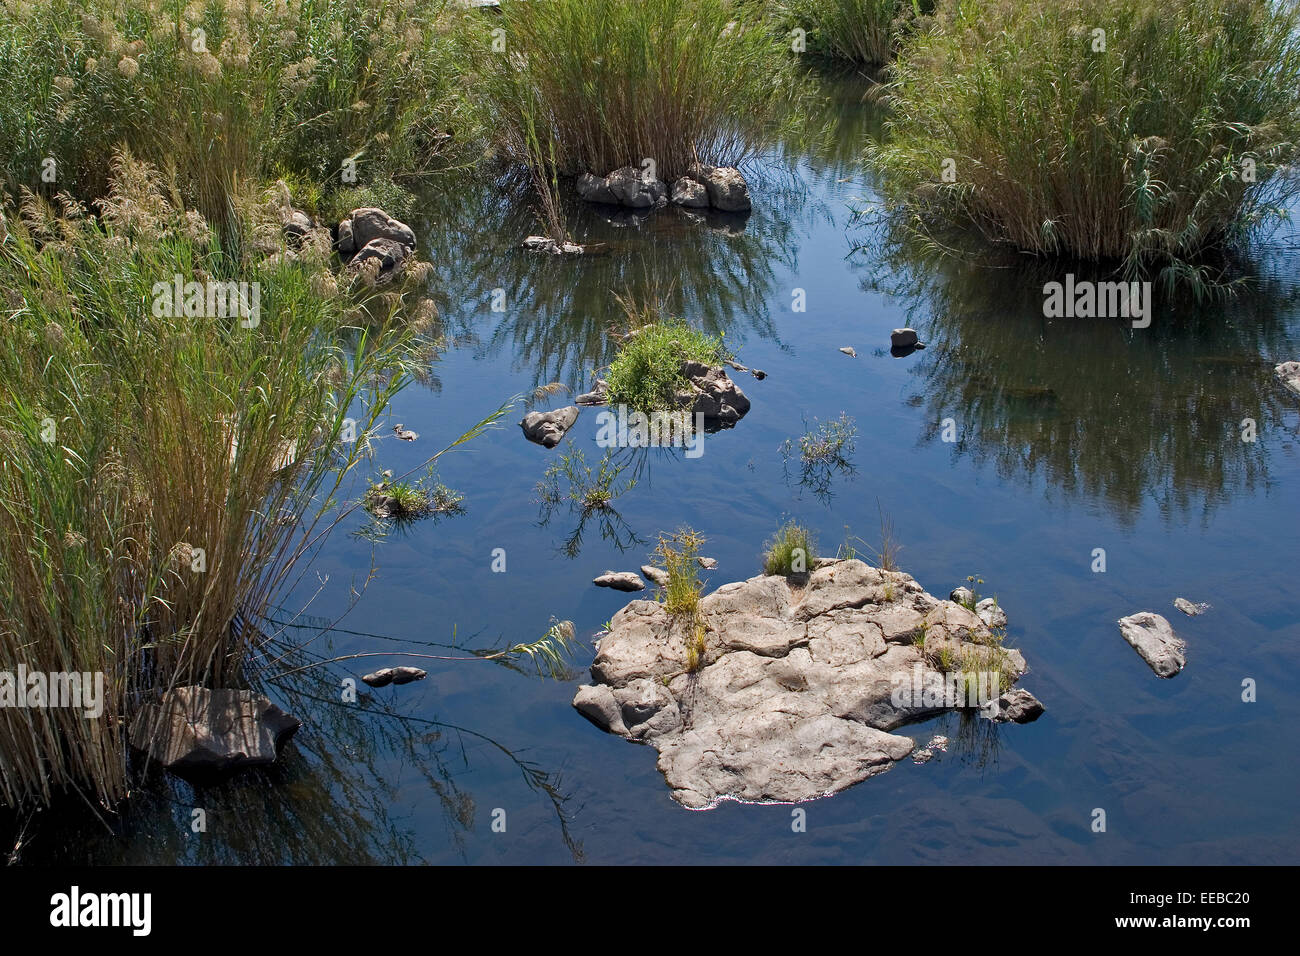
(1288, 373)
(619, 581)
(1153, 638)
(548, 428)
(200, 730)
(797, 689)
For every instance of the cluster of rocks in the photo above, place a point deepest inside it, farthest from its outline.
(799, 683)
(370, 233)
(198, 730)
(719, 187)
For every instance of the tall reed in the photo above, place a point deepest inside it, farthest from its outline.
(1148, 136)
(611, 83)
(162, 476)
(860, 31)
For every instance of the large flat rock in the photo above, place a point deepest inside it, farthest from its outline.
(800, 682)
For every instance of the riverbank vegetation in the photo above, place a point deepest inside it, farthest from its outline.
(863, 32)
(1106, 130)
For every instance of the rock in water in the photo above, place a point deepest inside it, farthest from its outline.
(727, 188)
(380, 678)
(708, 564)
(197, 730)
(1153, 637)
(1288, 373)
(404, 433)
(902, 338)
(594, 188)
(850, 351)
(634, 190)
(1016, 706)
(404, 675)
(1190, 609)
(795, 695)
(368, 223)
(548, 428)
(712, 394)
(655, 575)
(596, 396)
(690, 193)
(619, 581)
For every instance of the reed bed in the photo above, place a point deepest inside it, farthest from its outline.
(858, 31)
(162, 477)
(1152, 137)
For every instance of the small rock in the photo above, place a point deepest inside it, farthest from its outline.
(369, 223)
(594, 188)
(596, 396)
(199, 730)
(690, 193)
(902, 338)
(548, 428)
(296, 224)
(390, 253)
(991, 613)
(380, 678)
(656, 575)
(850, 351)
(547, 244)
(712, 394)
(619, 581)
(404, 675)
(636, 191)
(963, 596)
(1153, 637)
(1288, 373)
(346, 242)
(708, 564)
(405, 434)
(1190, 609)
(1015, 706)
(727, 188)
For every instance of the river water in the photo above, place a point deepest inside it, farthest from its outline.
(1071, 435)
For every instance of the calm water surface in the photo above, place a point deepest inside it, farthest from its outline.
(1072, 435)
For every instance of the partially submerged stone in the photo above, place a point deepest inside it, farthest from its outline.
(1154, 639)
(549, 428)
(902, 338)
(1190, 609)
(619, 581)
(655, 575)
(690, 193)
(394, 675)
(201, 730)
(712, 394)
(726, 187)
(797, 690)
(1288, 373)
(1016, 706)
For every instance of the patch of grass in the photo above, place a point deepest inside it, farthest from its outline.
(859, 31)
(677, 553)
(792, 550)
(570, 479)
(601, 84)
(647, 372)
(408, 500)
(308, 88)
(1156, 154)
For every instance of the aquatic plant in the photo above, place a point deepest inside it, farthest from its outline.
(792, 550)
(1151, 138)
(678, 553)
(332, 92)
(647, 372)
(165, 470)
(860, 31)
(611, 83)
(822, 450)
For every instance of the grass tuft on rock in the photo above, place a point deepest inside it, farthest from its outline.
(646, 374)
(792, 550)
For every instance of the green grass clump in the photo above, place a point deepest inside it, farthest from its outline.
(860, 31)
(594, 85)
(228, 93)
(647, 373)
(681, 596)
(1152, 147)
(161, 475)
(792, 550)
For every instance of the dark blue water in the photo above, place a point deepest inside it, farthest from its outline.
(1072, 435)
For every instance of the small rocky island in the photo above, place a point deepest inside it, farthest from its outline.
(800, 681)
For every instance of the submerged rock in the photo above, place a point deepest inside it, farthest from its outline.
(796, 691)
(655, 575)
(394, 675)
(548, 428)
(619, 581)
(197, 729)
(1153, 637)
(1288, 373)
(1190, 609)
(1015, 706)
